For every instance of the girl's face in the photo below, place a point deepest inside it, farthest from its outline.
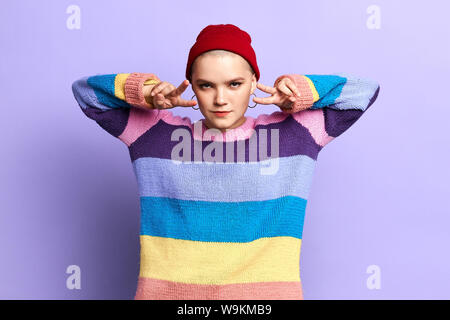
(222, 83)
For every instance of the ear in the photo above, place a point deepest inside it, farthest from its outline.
(254, 82)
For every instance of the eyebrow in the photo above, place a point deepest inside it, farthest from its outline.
(238, 78)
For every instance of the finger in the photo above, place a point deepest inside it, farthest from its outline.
(186, 103)
(153, 92)
(178, 91)
(165, 103)
(288, 102)
(182, 87)
(169, 91)
(168, 104)
(266, 100)
(265, 88)
(159, 87)
(158, 101)
(293, 87)
(283, 88)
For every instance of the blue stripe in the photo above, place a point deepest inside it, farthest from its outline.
(222, 221)
(343, 91)
(225, 182)
(104, 92)
(328, 87)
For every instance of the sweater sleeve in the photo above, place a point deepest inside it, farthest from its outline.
(109, 99)
(330, 104)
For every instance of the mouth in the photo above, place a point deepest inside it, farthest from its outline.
(221, 113)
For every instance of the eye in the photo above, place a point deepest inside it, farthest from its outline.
(235, 82)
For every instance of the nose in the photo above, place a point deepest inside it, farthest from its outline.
(219, 100)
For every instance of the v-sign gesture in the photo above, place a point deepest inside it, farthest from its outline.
(283, 95)
(164, 95)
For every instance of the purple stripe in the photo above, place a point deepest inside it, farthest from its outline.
(374, 97)
(294, 139)
(113, 121)
(337, 121)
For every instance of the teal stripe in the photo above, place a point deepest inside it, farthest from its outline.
(104, 89)
(222, 221)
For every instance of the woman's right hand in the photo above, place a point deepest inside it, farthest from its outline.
(164, 95)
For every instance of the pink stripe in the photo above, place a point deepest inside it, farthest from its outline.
(262, 119)
(170, 118)
(134, 84)
(305, 100)
(155, 289)
(314, 121)
(275, 117)
(139, 121)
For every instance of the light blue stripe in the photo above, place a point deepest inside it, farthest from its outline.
(96, 91)
(81, 89)
(222, 221)
(356, 93)
(343, 91)
(227, 182)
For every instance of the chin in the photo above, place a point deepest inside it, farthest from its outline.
(222, 123)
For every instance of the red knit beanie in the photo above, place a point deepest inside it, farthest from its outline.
(226, 37)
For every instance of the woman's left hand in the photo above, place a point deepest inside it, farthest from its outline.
(283, 95)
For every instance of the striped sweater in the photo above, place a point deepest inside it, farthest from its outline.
(222, 213)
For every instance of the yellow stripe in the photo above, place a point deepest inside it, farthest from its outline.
(313, 89)
(151, 81)
(199, 262)
(119, 85)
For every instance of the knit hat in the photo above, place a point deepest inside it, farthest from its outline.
(226, 37)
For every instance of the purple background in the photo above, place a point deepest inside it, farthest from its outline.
(380, 192)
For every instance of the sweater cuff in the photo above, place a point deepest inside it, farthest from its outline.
(134, 85)
(306, 99)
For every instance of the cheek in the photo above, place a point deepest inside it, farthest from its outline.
(200, 100)
(244, 100)
(203, 98)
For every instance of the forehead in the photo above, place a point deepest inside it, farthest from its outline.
(220, 66)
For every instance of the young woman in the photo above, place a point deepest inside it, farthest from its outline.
(223, 199)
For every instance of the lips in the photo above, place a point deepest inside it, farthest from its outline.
(221, 113)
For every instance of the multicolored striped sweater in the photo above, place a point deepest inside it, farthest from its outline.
(215, 227)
